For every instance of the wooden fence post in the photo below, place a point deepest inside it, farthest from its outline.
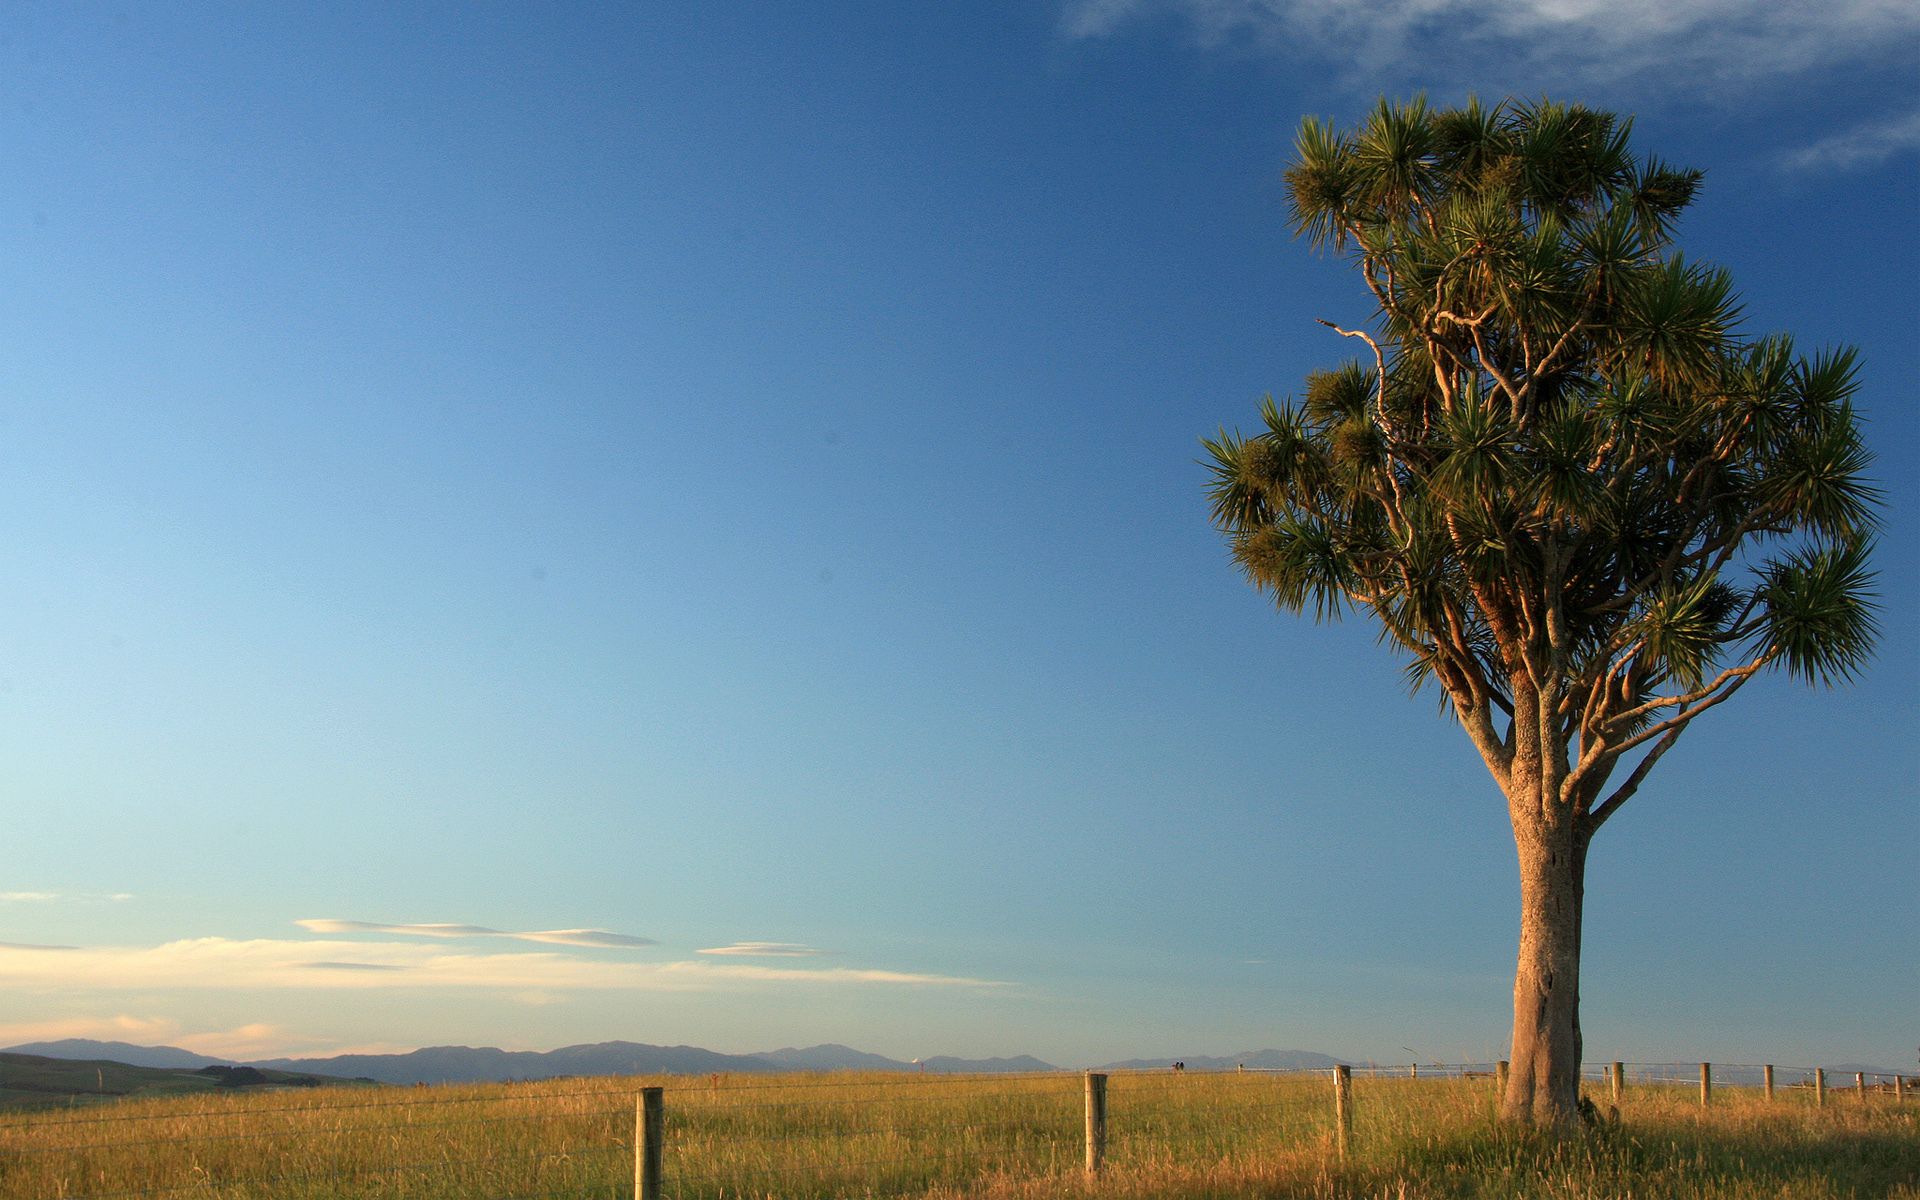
(1860, 1085)
(1819, 1087)
(1096, 1121)
(1766, 1073)
(1706, 1084)
(1342, 1109)
(1899, 1088)
(649, 1143)
(1413, 1072)
(1617, 1077)
(1500, 1070)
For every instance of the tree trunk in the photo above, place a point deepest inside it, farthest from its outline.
(1543, 1085)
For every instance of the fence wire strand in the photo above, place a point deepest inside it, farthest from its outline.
(1030, 1123)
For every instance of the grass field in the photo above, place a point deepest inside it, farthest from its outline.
(1184, 1137)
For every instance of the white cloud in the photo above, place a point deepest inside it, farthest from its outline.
(442, 930)
(766, 950)
(1690, 44)
(595, 938)
(263, 1040)
(1098, 18)
(141, 1030)
(1861, 146)
(268, 963)
(250, 1041)
(28, 897)
(598, 938)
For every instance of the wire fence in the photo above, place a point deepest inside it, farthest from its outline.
(804, 1137)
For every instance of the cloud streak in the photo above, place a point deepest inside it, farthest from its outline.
(599, 939)
(267, 963)
(593, 938)
(1713, 41)
(438, 930)
(1862, 146)
(145, 1030)
(253, 1040)
(766, 950)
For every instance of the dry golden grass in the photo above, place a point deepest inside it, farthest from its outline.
(1185, 1137)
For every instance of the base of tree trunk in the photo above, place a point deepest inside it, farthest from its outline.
(1543, 1080)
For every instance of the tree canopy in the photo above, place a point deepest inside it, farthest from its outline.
(1568, 489)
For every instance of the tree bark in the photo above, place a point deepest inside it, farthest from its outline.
(1543, 1084)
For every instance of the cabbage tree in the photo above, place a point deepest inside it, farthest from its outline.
(1581, 503)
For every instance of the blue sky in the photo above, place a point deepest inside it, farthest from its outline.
(641, 481)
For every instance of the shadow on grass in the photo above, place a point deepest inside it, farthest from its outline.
(1660, 1157)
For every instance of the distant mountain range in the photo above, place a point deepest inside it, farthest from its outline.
(121, 1052)
(470, 1064)
(483, 1064)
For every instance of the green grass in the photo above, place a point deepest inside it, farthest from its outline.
(1184, 1137)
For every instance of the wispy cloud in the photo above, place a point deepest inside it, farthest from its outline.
(597, 938)
(1713, 41)
(593, 938)
(253, 1040)
(50, 897)
(1862, 146)
(438, 930)
(32, 946)
(143, 1030)
(270, 963)
(766, 950)
(28, 897)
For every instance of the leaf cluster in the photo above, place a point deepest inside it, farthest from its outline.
(1565, 485)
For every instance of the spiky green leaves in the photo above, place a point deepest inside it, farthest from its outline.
(1557, 479)
(1657, 194)
(1682, 629)
(1342, 394)
(1675, 321)
(1476, 460)
(1474, 147)
(1820, 611)
(1299, 561)
(1392, 156)
(1574, 461)
(1817, 480)
(1319, 184)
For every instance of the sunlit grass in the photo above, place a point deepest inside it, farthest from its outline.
(1184, 1136)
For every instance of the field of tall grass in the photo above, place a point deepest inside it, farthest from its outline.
(1180, 1136)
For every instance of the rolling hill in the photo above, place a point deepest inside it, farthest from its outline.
(35, 1081)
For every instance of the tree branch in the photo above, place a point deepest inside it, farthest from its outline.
(1631, 784)
(1679, 720)
(1737, 675)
